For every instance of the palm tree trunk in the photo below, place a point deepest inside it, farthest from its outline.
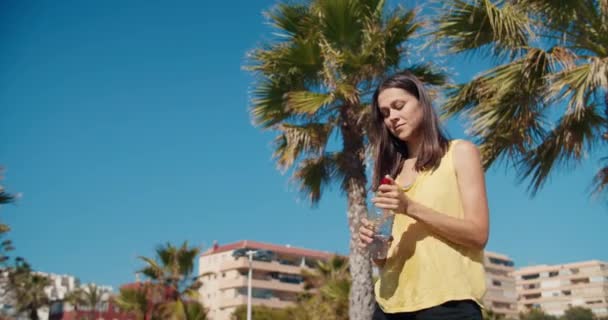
(606, 102)
(34, 313)
(361, 294)
(605, 136)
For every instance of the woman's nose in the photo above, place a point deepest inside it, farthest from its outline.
(392, 117)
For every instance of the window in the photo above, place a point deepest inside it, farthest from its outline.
(530, 276)
(553, 274)
(501, 262)
(579, 280)
(501, 305)
(532, 296)
(594, 301)
(261, 293)
(574, 270)
(566, 292)
(496, 283)
(290, 278)
(223, 274)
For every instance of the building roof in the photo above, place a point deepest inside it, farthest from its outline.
(545, 267)
(267, 246)
(497, 255)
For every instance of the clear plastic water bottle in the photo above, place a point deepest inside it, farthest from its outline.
(382, 223)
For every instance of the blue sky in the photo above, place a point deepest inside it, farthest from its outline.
(125, 126)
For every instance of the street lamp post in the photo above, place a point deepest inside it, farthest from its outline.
(250, 254)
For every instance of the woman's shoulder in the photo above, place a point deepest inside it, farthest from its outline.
(465, 153)
(462, 145)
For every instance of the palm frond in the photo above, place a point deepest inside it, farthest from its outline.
(400, 27)
(477, 25)
(316, 173)
(290, 20)
(184, 258)
(428, 74)
(600, 180)
(5, 197)
(194, 311)
(166, 264)
(569, 141)
(172, 310)
(506, 106)
(310, 138)
(307, 102)
(268, 105)
(557, 13)
(579, 83)
(580, 25)
(152, 270)
(296, 61)
(341, 22)
(133, 300)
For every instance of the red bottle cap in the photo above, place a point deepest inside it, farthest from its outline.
(385, 181)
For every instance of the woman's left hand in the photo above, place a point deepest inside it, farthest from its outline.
(390, 196)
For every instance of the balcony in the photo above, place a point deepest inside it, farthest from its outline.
(273, 266)
(499, 267)
(242, 300)
(271, 284)
(496, 296)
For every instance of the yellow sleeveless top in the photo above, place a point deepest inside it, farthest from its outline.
(422, 269)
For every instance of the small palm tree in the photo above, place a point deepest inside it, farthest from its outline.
(6, 245)
(545, 104)
(74, 298)
(329, 286)
(313, 87)
(26, 288)
(171, 275)
(4, 196)
(489, 314)
(139, 301)
(90, 297)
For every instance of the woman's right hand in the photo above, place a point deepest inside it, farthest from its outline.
(366, 233)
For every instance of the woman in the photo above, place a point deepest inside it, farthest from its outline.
(436, 189)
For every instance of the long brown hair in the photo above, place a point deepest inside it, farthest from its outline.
(389, 151)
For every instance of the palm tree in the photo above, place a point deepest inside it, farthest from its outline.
(331, 283)
(489, 314)
(27, 289)
(90, 297)
(5, 197)
(171, 273)
(536, 314)
(74, 298)
(137, 300)
(5, 245)
(313, 86)
(545, 104)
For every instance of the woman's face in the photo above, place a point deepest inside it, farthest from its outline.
(401, 111)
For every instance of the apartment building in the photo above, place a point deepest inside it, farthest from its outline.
(501, 295)
(276, 275)
(555, 288)
(60, 285)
